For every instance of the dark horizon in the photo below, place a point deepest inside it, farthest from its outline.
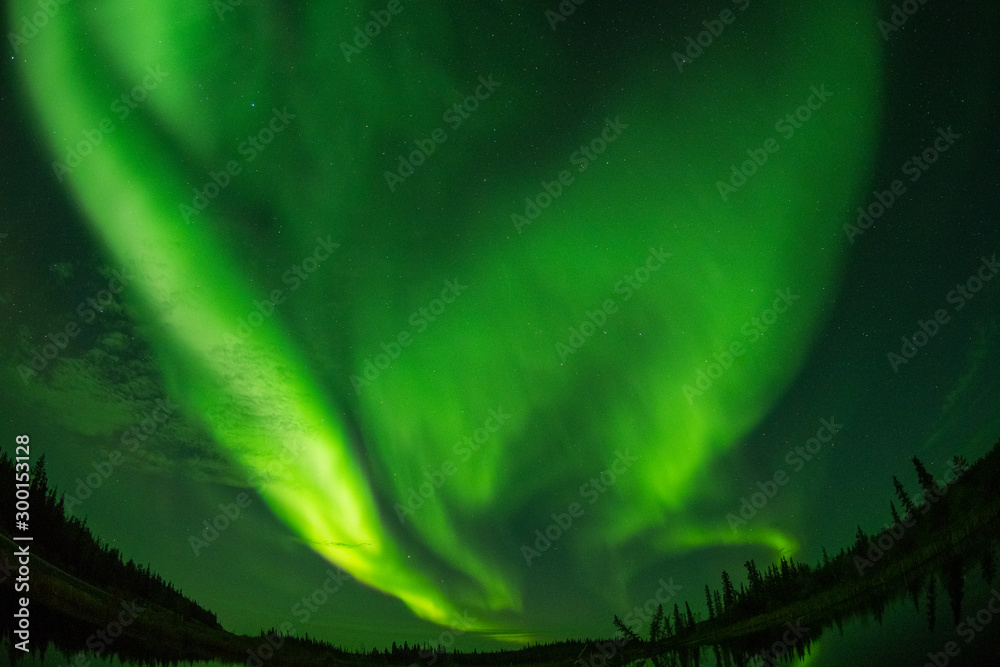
(944, 527)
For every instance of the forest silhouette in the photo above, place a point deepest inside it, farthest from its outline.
(945, 531)
(80, 584)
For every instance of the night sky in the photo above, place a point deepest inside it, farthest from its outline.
(400, 301)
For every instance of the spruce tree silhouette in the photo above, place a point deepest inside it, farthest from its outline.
(904, 498)
(925, 479)
(656, 624)
(895, 514)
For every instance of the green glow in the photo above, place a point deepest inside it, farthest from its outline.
(495, 346)
(692, 537)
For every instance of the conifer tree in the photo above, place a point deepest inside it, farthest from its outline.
(754, 580)
(626, 631)
(904, 498)
(959, 464)
(924, 478)
(656, 624)
(728, 592)
(859, 540)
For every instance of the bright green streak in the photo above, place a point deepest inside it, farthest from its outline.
(655, 186)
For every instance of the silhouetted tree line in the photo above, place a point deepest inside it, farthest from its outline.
(67, 543)
(942, 513)
(937, 515)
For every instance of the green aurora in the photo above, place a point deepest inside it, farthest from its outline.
(293, 395)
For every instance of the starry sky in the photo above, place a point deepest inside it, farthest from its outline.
(500, 309)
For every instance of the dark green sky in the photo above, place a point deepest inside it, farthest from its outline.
(532, 350)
